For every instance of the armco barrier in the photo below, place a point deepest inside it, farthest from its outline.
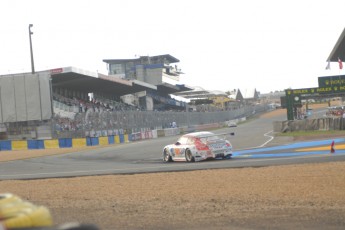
(51, 144)
(186, 129)
(160, 133)
(92, 141)
(5, 145)
(19, 145)
(149, 134)
(35, 144)
(136, 136)
(103, 141)
(111, 139)
(142, 135)
(8, 145)
(154, 133)
(122, 138)
(171, 132)
(79, 142)
(65, 142)
(117, 139)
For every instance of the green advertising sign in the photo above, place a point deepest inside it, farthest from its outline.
(331, 81)
(315, 91)
(327, 85)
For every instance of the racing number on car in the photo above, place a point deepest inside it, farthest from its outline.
(177, 151)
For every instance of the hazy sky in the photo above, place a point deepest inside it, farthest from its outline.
(221, 44)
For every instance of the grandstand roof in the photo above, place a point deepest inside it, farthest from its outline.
(166, 88)
(338, 50)
(218, 93)
(168, 57)
(86, 81)
(249, 93)
(198, 93)
(194, 91)
(236, 95)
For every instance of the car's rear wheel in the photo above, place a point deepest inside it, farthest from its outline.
(166, 156)
(189, 156)
(229, 156)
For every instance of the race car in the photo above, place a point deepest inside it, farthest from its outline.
(198, 146)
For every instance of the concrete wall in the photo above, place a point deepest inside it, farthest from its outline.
(309, 124)
(140, 73)
(154, 76)
(25, 97)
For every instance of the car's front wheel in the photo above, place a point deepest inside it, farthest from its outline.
(166, 156)
(189, 156)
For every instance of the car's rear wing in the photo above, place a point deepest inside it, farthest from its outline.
(219, 134)
(207, 137)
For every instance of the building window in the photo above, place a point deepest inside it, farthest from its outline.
(117, 69)
(129, 66)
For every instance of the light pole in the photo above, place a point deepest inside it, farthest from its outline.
(32, 55)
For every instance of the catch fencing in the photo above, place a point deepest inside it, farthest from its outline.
(105, 123)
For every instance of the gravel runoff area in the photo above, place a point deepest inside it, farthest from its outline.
(306, 196)
(309, 196)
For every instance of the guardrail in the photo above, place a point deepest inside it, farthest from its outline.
(8, 145)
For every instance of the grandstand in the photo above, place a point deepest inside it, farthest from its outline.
(74, 95)
(70, 102)
(210, 100)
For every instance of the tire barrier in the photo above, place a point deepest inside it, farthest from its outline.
(17, 214)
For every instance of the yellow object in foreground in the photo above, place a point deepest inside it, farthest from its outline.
(8, 198)
(35, 217)
(19, 214)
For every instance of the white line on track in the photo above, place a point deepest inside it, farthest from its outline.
(266, 135)
(260, 146)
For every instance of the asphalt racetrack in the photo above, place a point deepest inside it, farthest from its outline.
(254, 146)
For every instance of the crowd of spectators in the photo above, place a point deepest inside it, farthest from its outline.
(98, 113)
(96, 105)
(87, 114)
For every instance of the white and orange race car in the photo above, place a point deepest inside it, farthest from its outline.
(199, 146)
